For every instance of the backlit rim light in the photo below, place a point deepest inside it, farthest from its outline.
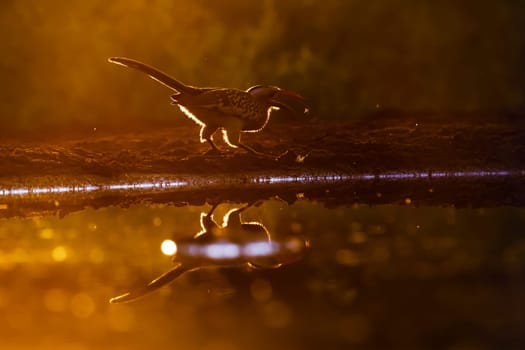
(261, 180)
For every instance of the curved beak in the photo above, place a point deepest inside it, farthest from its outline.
(290, 101)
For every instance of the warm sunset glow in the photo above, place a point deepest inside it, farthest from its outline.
(358, 169)
(55, 300)
(59, 253)
(82, 305)
(47, 233)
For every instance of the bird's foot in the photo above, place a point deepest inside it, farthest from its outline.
(291, 157)
(270, 156)
(282, 156)
(213, 152)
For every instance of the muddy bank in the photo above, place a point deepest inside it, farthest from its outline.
(387, 144)
(384, 143)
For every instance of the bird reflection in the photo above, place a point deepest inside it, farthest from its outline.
(235, 243)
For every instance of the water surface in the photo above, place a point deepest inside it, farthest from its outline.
(382, 276)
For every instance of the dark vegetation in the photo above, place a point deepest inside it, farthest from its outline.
(350, 59)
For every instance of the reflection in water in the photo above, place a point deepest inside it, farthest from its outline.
(376, 277)
(233, 244)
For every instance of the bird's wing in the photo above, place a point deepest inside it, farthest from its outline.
(227, 101)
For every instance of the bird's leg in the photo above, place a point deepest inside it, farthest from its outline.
(207, 223)
(212, 209)
(214, 149)
(206, 134)
(254, 152)
(233, 138)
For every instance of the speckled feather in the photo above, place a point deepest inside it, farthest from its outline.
(233, 102)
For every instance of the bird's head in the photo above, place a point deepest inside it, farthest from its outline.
(275, 96)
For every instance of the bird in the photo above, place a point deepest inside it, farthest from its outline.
(234, 244)
(229, 110)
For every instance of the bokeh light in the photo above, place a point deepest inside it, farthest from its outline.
(370, 279)
(82, 305)
(59, 253)
(168, 247)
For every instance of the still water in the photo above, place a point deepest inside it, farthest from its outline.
(270, 275)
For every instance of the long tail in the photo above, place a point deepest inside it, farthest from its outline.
(155, 74)
(153, 285)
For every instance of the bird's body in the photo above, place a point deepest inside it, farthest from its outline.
(232, 111)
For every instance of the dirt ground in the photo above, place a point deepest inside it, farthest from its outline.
(383, 144)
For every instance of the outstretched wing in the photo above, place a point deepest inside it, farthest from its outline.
(152, 286)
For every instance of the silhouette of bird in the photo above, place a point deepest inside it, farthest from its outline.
(234, 244)
(232, 111)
